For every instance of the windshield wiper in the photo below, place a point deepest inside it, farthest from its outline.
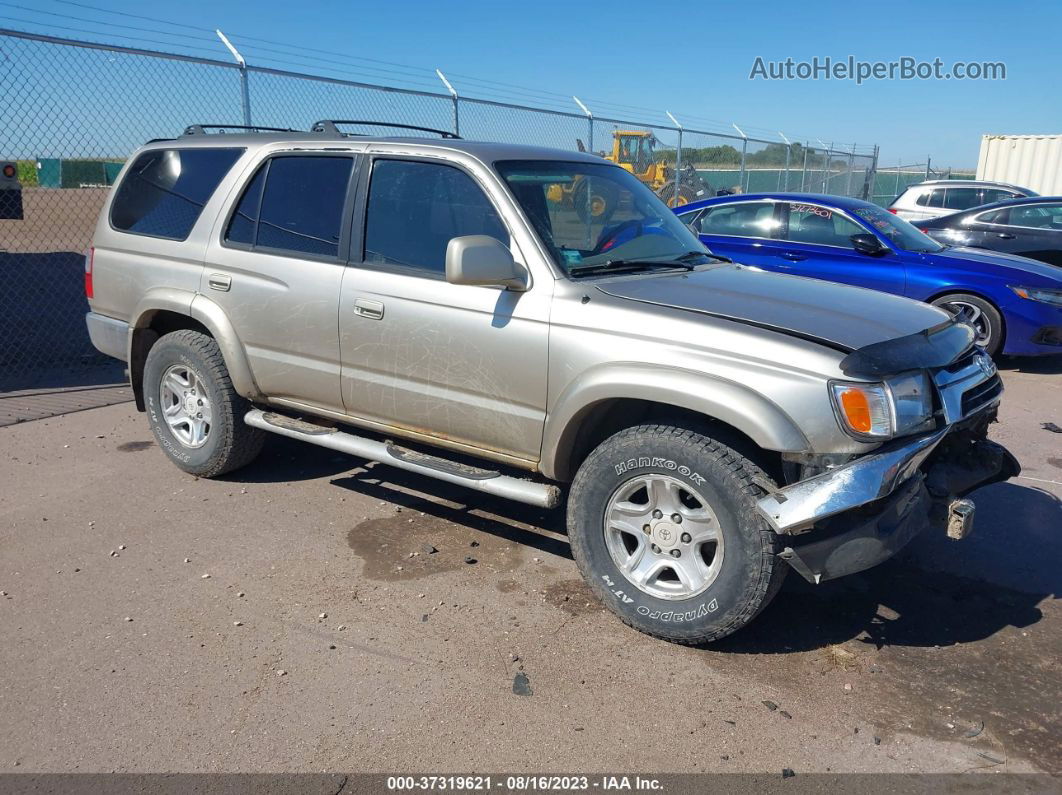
(716, 257)
(627, 264)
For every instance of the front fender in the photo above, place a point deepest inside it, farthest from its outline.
(732, 403)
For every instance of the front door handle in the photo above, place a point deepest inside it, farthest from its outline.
(1005, 236)
(219, 281)
(792, 256)
(373, 310)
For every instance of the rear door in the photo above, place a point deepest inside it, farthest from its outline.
(1033, 230)
(743, 231)
(275, 266)
(816, 242)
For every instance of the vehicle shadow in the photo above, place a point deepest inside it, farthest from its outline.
(1046, 365)
(504, 519)
(937, 592)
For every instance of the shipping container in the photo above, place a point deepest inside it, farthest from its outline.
(1031, 161)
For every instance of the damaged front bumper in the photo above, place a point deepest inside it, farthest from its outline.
(865, 511)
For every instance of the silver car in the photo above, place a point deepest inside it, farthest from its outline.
(444, 307)
(940, 197)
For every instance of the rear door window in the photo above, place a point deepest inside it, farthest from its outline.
(1038, 216)
(741, 219)
(164, 190)
(294, 204)
(962, 198)
(990, 195)
(820, 226)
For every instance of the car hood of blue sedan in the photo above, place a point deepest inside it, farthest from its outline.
(1044, 275)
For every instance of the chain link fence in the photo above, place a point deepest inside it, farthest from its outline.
(73, 111)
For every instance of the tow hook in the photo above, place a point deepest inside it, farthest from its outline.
(960, 518)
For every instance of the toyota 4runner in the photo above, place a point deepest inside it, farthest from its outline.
(439, 306)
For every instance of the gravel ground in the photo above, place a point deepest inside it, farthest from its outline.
(294, 618)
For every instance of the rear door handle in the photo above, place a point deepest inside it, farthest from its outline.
(1005, 236)
(219, 281)
(373, 310)
(792, 256)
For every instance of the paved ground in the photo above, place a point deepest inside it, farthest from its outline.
(276, 622)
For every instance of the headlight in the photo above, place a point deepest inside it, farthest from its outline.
(863, 410)
(901, 406)
(1042, 294)
(912, 401)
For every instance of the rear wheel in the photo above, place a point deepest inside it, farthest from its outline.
(663, 525)
(985, 318)
(194, 411)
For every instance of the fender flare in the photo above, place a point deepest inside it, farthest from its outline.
(732, 403)
(200, 308)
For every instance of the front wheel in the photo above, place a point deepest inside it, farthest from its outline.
(984, 317)
(194, 411)
(663, 525)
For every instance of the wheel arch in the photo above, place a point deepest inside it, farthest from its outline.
(589, 413)
(942, 292)
(165, 311)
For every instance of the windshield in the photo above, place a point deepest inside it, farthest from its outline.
(595, 213)
(902, 234)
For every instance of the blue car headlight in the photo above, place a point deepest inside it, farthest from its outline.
(1044, 295)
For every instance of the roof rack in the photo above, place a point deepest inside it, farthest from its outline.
(201, 129)
(329, 126)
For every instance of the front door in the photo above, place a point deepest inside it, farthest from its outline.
(816, 242)
(461, 363)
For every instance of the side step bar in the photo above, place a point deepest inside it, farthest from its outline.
(542, 495)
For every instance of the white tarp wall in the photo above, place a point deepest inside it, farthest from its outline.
(1031, 161)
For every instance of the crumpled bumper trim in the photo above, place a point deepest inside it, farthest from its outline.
(856, 483)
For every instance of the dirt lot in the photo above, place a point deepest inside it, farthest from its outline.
(292, 618)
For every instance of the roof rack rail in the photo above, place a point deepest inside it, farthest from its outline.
(329, 126)
(201, 129)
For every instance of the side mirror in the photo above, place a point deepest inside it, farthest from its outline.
(866, 243)
(483, 260)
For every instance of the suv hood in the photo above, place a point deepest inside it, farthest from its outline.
(843, 317)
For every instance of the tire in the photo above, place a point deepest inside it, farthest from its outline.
(686, 194)
(988, 321)
(186, 373)
(747, 571)
(602, 202)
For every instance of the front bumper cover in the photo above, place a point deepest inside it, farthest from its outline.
(886, 498)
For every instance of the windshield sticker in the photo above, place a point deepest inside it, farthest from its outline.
(571, 256)
(810, 209)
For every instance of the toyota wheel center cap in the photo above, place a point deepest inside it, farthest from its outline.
(666, 534)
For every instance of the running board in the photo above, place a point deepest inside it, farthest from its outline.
(490, 481)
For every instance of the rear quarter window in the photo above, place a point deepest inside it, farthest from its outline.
(164, 190)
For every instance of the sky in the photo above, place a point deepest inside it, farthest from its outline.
(639, 59)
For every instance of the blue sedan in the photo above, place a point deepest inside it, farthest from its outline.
(1015, 303)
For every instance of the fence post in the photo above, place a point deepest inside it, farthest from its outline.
(589, 123)
(744, 150)
(678, 160)
(245, 89)
(804, 169)
(788, 151)
(453, 96)
(851, 165)
(928, 161)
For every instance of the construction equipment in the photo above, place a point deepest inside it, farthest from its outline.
(634, 151)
